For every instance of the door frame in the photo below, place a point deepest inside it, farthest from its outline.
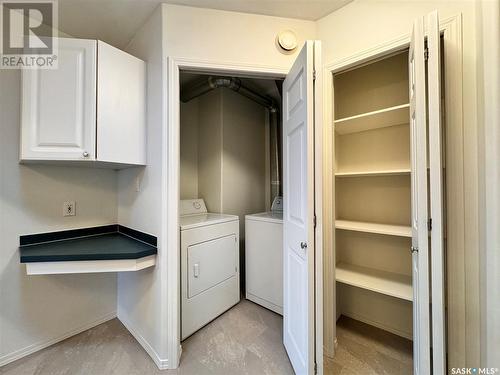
(457, 171)
(171, 176)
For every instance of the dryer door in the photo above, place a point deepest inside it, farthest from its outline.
(210, 263)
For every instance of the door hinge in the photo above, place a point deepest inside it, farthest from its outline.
(314, 75)
(315, 368)
(314, 221)
(426, 53)
(429, 224)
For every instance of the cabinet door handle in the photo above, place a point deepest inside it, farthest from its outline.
(85, 154)
(414, 249)
(303, 245)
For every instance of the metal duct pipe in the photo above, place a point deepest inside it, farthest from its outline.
(233, 83)
(275, 152)
(252, 95)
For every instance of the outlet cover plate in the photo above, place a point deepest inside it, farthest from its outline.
(69, 208)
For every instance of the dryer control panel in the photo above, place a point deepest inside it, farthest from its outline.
(192, 207)
(277, 204)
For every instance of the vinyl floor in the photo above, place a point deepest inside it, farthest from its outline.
(247, 339)
(366, 350)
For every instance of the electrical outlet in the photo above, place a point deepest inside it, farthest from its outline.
(69, 208)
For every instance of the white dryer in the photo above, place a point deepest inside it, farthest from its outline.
(210, 278)
(264, 257)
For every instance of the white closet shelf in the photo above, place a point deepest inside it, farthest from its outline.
(381, 172)
(382, 118)
(388, 283)
(360, 226)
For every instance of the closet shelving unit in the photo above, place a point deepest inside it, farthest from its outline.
(373, 194)
(359, 226)
(384, 172)
(381, 118)
(388, 283)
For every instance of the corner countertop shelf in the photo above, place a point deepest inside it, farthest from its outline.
(110, 248)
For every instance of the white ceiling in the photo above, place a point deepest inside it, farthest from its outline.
(116, 21)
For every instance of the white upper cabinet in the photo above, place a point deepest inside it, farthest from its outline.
(121, 106)
(59, 106)
(91, 108)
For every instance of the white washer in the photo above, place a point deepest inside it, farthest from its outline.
(264, 259)
(210, 278)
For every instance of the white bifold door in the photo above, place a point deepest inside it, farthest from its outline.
(299, 210)
(427, 198)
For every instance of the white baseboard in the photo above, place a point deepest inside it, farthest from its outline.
(20, 353)
(374, 323)
(268, 305)
(161, 363)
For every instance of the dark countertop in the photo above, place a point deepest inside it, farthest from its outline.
(102, 246)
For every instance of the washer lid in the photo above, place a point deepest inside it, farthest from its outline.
(195, 221)
(270, 216)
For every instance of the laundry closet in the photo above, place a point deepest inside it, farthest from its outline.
(230, 195)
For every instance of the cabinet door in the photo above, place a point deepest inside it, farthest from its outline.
(121, 113)
(59, 106)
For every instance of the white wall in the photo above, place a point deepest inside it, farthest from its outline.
(244, 157)
(210, 150)
(140, 293)
(189, 150)
(230, 37)
(488, 50)
(364, 24)
(232, 160)
(37, 310)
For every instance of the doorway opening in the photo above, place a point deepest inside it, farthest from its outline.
(299, 331)
(231, 227)
(375, 192)
(373, 210)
